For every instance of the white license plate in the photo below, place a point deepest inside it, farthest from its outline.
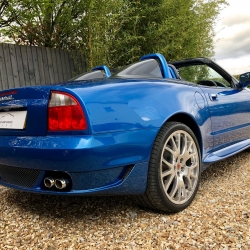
(13, 120)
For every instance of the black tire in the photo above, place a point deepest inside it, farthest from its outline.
(161, 193)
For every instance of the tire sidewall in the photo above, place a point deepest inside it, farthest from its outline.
(170, 205)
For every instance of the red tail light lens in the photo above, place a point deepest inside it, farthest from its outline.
(65, 113)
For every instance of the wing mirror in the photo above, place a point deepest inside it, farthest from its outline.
(244, 80)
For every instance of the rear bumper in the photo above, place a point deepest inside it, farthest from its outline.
(117, 181)
(105, 164)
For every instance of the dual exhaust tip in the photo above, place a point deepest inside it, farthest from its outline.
(59, 183)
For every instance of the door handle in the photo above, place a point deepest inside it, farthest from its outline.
(213, 97)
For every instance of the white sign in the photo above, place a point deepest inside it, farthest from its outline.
(13, 120)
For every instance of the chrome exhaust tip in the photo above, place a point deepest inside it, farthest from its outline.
(49, 182)
(61, 183)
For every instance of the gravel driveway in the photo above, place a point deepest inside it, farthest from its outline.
(217, 219)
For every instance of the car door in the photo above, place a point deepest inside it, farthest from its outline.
(230, 114)
(229, 107)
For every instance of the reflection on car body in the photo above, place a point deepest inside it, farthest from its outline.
(148, 130)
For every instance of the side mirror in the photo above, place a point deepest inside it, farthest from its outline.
(244, 80)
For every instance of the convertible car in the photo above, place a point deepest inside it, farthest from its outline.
(148, 130)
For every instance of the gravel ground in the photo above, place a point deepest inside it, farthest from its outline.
(217, 219)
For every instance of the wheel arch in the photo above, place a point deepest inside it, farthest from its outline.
(191, 123)
(155, 196)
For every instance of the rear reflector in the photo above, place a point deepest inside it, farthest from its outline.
(65, 113)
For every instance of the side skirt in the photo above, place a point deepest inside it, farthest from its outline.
(228, 151)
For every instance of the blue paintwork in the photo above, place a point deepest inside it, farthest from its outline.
(124, 116)
(172, 73)
(104, 68)
(98, 183)
(230, 115)
(244, 80)
(227, 151)
(35, 102)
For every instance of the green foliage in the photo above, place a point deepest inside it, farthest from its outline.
(185, 29)
(48, 23)
(98, 29)
(237, 77)
(194, 73)
(197, 73)
(115, 32)
(176, 28)
(7, 13)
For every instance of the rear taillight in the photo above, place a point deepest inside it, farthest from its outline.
(65, 113)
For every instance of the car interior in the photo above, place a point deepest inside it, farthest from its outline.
(155, 66)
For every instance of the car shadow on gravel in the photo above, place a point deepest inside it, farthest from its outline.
(91, 208)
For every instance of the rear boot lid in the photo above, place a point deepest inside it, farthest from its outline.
(23, 111)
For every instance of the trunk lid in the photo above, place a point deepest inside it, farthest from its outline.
(23, 111)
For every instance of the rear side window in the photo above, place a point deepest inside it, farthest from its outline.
(89, 76)
(147, 68)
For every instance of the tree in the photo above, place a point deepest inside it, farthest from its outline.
(176, 28)
(7, 14)
(116, 32)
(98, 29)
(130, 40)
(48, 23)
(187, 29)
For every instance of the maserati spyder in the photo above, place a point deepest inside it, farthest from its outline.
(147, 130)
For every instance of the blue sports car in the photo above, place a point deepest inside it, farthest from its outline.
(148, 130)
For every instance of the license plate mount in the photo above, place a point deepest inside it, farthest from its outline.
(13, 119)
